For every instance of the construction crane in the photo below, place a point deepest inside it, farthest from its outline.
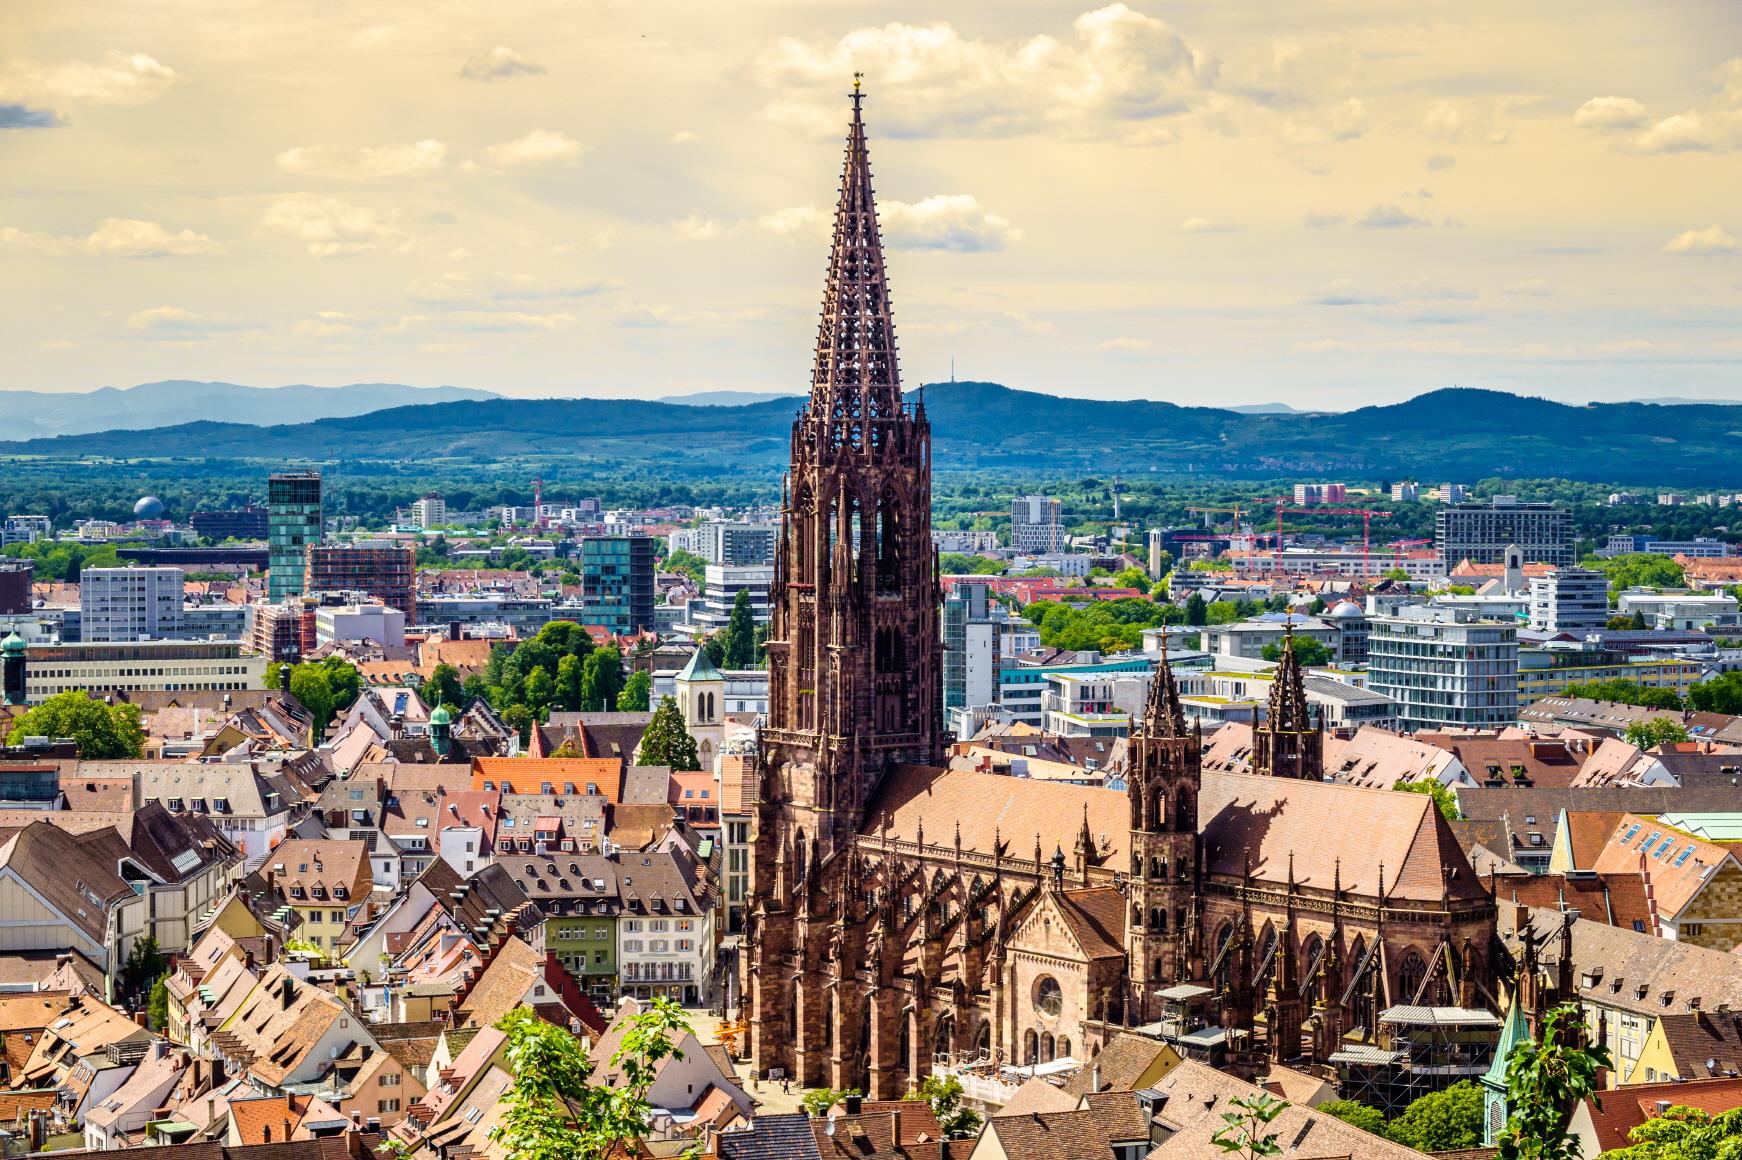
(1284, 505)
(1236, 509)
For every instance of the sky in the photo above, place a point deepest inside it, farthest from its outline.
(1213, 202)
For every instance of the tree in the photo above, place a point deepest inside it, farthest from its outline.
(1625, 693)
(1684, 1133)
(1546, 1079)
(568, 681)
(601, 679)
(1653, 732)
(1310, 651)
(519, 718)
(145, 964)
(1395, 574)
(1313, 609)
(1721, 694)
(687, 564)
(819, 1101)
(1357, 1113)
(741, 634)
(100, 731)
(944, 1094)
(1619, 623)
(540, 691)
(1442, 1121)
(1637, 621)
(715, 646)
(1444, 800)
(1132, 578)
(324, 687)
(1638, 570)
(443, 686)
(1197, 613)
(1241, 1133)
(637, 692)
(157, 1006)
(553, 1112)
(666, 741)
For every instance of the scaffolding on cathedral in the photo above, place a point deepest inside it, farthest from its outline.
(1420, 1050)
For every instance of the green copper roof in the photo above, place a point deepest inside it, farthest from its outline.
(700, 668)
(1513, 1032)
(440, 716)
(13, 644)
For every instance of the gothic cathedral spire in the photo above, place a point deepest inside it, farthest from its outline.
(1290, 742)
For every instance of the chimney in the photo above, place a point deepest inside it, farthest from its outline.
(287, 991)
(1095, 1076)
(894, 1126)
(853, 1104)
(287, 1127)
(139, 1018)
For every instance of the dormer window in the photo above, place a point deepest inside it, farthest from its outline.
(175, 805)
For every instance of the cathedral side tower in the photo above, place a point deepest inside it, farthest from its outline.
(1290, 742)
(1163, 781)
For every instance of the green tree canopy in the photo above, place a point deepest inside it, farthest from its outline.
(601, 680)
(444, 686)
(1310, 651)
(1721, 694)
(1442, 1121)
(100, 731)
(637, 691)
(1684, 1133)
(1625, 693)
(1638, 570)
(554, 1111)
(1444, 799)
(963, 564)
(666, 741)
(818, 1101)
(944, 1094)
(1197, 612)
(1654, 732)
(741, 633)
(1357, 1113)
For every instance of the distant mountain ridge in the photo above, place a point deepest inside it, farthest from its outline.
(1457, 433)
(171, 401)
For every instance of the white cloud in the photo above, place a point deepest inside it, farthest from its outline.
(1389, 217)
(330, 227)
(1205, 225)
(161, 318)
(365, 163)
(1611, 113)
(685, 137)
(696, 228)
(1119, 67)
(1711, 240)
(795, 220)
(1124, 345)
(510, 320)
(946, 221)
(538, 147)
(1344, 121)
(121, 78)
(339, 324)
(499, 64)
(1682, 133)
(116, 237)
(1454, 121)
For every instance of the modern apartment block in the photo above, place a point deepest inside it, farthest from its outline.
(293, 522)
(729, 542)
(431, 511)
(617, 582)
(720, 587)
(140, 666)
(971, 653)
(117, 604)
(1574, 600)
(1444, 668)
(381, 568)
(1481, 532)
(1035, 526)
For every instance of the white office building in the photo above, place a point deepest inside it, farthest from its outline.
(1444, 668)
(1035, 526)
(119, 604)
(1573, 600)
(1681, 611)
(721, 583)
(430, 512)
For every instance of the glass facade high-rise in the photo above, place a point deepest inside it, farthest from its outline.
(617, 582)
(293, 522)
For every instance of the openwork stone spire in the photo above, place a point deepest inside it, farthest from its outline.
(1164, 716)
(856, 378)
(1288, 703)
(1289, 743)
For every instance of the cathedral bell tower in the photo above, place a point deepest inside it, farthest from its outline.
(855, 681)
(1163, 777)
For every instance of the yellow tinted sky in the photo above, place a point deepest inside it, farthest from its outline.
(1327, 204)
